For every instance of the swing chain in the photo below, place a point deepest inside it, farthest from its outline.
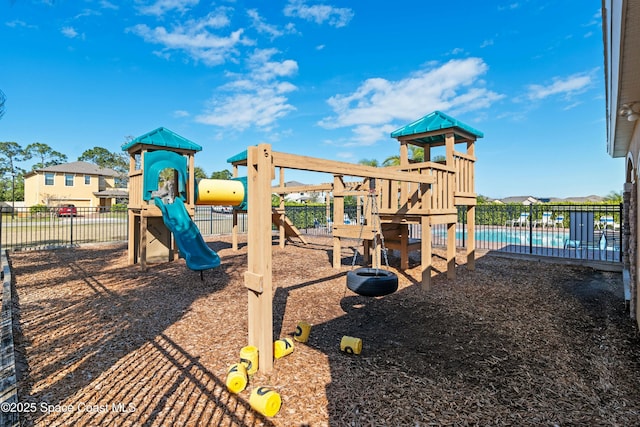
(355, 249)
(375, 214)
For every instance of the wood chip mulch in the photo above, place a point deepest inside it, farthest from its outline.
(514, 342)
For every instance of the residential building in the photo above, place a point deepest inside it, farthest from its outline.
(621, 35)
(80, 183)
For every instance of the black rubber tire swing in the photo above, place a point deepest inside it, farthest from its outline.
(372, 282)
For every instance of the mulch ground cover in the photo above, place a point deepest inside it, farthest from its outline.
(514, 342)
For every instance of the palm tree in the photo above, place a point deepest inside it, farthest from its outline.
(416, 155)
(613, 197)
(369, 162)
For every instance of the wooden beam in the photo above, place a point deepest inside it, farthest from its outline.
(281, 189)
(293, 161)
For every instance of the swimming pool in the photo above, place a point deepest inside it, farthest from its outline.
(511, 236)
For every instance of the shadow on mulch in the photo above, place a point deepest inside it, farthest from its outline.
(556, 349)
(121, 330)
(510, 343)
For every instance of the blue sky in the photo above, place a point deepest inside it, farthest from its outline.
(329, 79)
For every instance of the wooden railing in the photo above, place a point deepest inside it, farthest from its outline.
(416, 198)
(464, 167)
(135, 189)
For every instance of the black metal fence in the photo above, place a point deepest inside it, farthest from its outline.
(586, 231)
(570, 231)
(48, 228)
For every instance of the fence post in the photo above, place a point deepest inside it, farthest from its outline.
(71, 229)
(531, 228)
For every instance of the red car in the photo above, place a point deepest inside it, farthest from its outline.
(67, 210)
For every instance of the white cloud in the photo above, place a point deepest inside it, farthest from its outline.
(180, 113)
(160, 7)
(377, 103)
(257, 99)
(567, 86)
(195, 38)
(69, 32)
(108, 5)
(485, 43)
(18, 23)
(261, 26)
(334, 16)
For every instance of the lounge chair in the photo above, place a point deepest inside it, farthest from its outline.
(545, 221)
(521, 220)
(558, 221)
(607, 222)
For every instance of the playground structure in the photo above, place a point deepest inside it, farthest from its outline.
(158, 213)
(425, 193)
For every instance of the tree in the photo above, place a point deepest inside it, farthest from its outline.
(10, 154)
(416, 155)
(613, 197)
(199, 173)
(223, 174)
(369, 162)
(118, 161)
(46, 155)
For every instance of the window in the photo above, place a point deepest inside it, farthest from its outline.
(48, 178)
(87, 179)
(68, 180)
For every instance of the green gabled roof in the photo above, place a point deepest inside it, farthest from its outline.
(432, 123)
(163, 137)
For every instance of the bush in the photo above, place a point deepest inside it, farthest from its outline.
(38, 209)
(119, 207)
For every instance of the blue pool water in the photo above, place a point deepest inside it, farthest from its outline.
(554, 239)
(515, 236)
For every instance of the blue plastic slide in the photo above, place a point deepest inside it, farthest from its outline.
(190, 243)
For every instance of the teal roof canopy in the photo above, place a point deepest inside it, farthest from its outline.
(426, 129)
(163, 137)
(240, 157)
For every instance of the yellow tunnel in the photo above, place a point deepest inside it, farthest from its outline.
(219, 192)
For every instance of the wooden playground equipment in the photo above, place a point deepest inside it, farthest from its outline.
(149, 238)
(425, 193)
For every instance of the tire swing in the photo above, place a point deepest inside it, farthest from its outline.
(372, 282)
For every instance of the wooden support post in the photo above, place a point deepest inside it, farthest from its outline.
(471, 237)
(404, 246)
(132, 255)
(338, 218)
(234, 231)
(425, 250)
(404, 187)
(451, 251)
(281, 231)
(449, 141)
(258, 278)
(143, 242)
